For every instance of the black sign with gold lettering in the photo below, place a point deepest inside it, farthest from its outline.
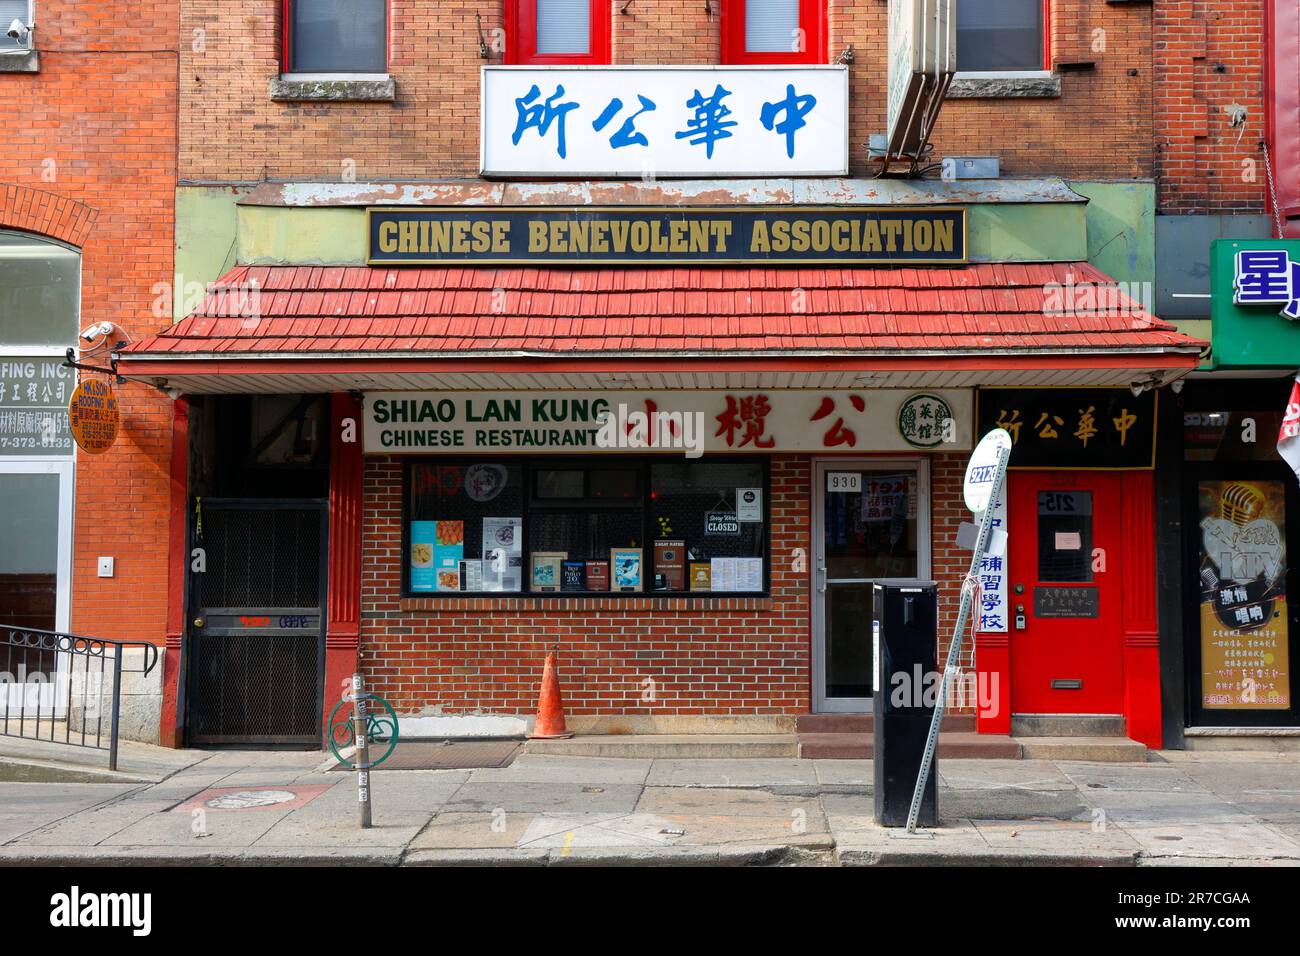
(1088, 428)
(589, 235)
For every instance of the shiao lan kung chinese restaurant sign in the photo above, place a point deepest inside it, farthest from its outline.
(647, 122)
(695, 422)
(647, 236)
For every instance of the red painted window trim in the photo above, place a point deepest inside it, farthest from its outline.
(286, 19)
(1047, 34)
(521, 36)
(1047, 38)
(812, 20)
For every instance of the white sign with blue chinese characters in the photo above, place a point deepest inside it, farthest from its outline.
(1267, 277)
(664, 121)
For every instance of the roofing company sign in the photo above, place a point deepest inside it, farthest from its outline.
(662, 121)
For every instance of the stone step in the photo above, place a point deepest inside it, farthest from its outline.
(1103, 749)
(1068, 725)
(864, 723)
(669, 746)
(952, 746)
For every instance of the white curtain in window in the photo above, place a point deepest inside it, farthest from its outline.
(339, 36)
(771, 26)
(999, 35)
(11, 10)
(563, 26)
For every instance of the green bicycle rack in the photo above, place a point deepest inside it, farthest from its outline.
(380, 725)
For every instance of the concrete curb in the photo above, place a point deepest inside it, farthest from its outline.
(710, 856)
(12, 856)
(872, 856)
(25, 770)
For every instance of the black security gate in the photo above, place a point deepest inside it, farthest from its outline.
(256, 648)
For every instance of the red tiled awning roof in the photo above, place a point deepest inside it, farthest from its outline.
(335, 310)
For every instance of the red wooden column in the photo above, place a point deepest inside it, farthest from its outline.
(343, 611)
(1141, 630)
(170, 731)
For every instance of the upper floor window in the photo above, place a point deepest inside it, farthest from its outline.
(336, 36)
(558, 31)
(22, 12)
(40, 292)
(1001, 36)
(773, 31)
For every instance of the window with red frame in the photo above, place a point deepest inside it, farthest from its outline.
(574, 32)
(1002, 36)
(335, 36)
(773, 31)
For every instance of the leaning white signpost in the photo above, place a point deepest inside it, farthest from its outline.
(985, 474)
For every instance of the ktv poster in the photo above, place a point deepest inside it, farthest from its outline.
(1244, 634)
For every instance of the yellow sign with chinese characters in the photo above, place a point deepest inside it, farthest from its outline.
(1077, 428)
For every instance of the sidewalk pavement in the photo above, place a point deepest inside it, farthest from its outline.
(281, 808)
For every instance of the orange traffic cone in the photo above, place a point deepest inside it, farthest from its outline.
(550, 706)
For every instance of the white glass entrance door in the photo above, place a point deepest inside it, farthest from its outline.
(871, 523)
(35, 572)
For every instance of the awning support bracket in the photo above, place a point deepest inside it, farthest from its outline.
(70, 361)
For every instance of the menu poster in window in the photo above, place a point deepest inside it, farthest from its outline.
(546, 569)
(597, 575)
(471, 575)
(625, 569)
(448, 552)
(424, 538)
(502, 557)
(670, 565)
(749, 505)
(1245, 644)
(573, 576)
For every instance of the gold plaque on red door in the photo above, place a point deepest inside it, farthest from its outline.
(94, 416)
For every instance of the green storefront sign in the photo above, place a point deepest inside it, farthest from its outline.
(1254, 302)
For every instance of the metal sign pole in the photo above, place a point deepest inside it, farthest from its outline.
(954, 647)
(363, 750)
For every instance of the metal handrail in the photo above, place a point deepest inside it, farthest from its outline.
(27, 641)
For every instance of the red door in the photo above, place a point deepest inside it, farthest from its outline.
(1064, 530)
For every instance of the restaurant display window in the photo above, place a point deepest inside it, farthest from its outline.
(614, 526)
(1240, 500)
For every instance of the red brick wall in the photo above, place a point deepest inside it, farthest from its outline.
(97, 126)
(1209, 55)
(735, 657)
(1100, 127)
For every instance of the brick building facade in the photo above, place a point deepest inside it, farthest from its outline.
(88, 162)
(282, 172)
(1209, 107)
(1225, 99)
(1091, 121)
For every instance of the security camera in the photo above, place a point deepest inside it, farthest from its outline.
(19, 31)
(97, 330)
(1137, 388)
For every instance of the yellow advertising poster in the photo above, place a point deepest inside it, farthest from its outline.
(1244, 641)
